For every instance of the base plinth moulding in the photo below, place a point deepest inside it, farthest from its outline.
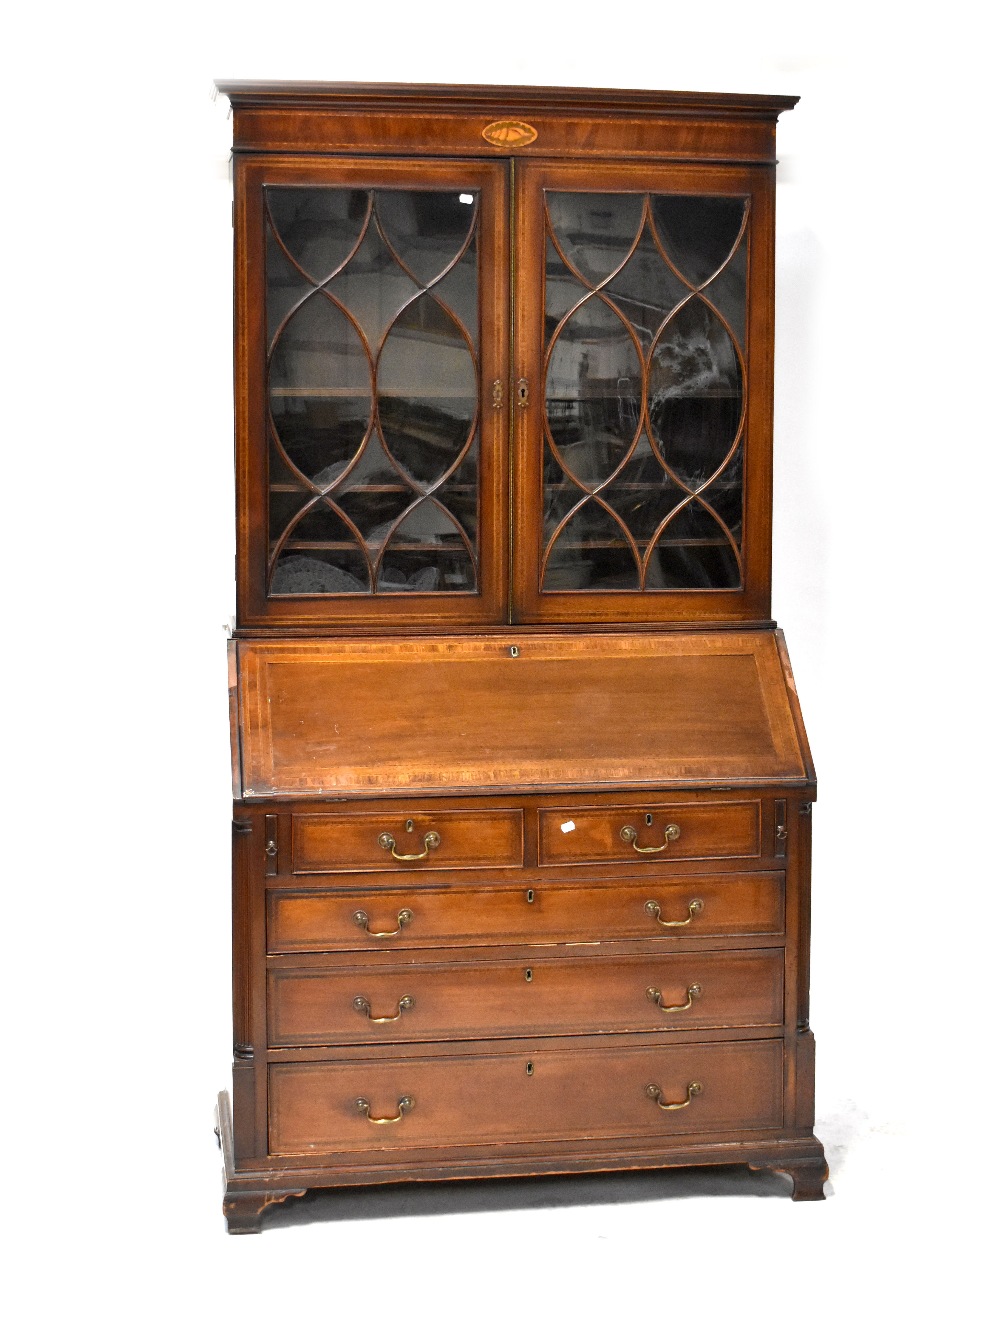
(248, 1194)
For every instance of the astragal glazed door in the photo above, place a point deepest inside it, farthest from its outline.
(375, 486)
(643, 441)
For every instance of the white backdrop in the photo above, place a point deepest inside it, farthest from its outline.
(117, 442)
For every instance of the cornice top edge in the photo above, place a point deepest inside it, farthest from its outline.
(499, 98)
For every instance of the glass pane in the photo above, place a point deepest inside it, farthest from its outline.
(693, 553)
(317, 227)
(375, 496)
(320, 390)
(592, 552)
(726, 495)
(728, 293)
(373, 287)
(427, 391)
(695, 393)
(427, 229)
(595, 231)
(287, 498)
(643, 493)
(378, 287)
(427, 553)
(320, 557)
(460, 494)
(698, 233)
(286, 286)
(645, 291)
(562, 290)
(458, 290)
(593, 392)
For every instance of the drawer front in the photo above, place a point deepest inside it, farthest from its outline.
(389, 918)
(558, 1094)
(406, 842)
(653, 834)
(484, 998)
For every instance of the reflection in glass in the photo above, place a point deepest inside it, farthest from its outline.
(320, 390)
(372, 288)
(695, 393)
(644, 391)
(646, 291)
(427, 391)
(593, 391)
(643, 493)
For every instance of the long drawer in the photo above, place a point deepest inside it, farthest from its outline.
(558, 1094)
(489, 998)
(383, 918)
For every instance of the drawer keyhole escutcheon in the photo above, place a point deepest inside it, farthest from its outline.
(402, 918)
(654, 1092)
(530, 896)
(529, 1068)
(694, 907)
(656, 996)
(528, 975)
(405, 1104)
(362, 1005)
(631, 836)
(431, 841)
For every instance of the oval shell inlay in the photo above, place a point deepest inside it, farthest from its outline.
(510, 133)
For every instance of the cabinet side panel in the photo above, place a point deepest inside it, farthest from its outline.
(244, 1097)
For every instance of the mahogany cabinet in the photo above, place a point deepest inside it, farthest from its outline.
(521, 833)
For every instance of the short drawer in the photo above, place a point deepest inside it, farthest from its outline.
(508, 998)
(536, 1094)
(648, 833)
(402, 842)
(403, 918)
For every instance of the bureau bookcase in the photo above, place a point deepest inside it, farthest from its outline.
(521, 833)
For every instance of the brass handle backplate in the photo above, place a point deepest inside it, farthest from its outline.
(631, 836)
(431, 841)
(402, 918)
(694, 907)
(656, 996)
(365, 1108)
(363, 1005)
(656, 1093)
